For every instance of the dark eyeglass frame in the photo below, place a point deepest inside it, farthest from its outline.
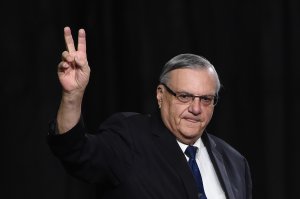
(184, 97)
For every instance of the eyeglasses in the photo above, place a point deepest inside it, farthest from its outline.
(206, 100)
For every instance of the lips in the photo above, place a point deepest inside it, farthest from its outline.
(193, 120)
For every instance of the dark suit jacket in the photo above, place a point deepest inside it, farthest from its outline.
(135, 156)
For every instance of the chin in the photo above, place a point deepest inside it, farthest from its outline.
(191, 133)
(189, 139)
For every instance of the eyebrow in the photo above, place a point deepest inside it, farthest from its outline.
(184, 92)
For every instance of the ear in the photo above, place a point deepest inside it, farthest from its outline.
(159, 95)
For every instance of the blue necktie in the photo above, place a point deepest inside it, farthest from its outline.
(191, 153)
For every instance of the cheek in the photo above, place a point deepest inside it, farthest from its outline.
(208, 115)
(177, 113)
(172, 112)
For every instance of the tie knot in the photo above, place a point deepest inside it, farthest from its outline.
(191, 151)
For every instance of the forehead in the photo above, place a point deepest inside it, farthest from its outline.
(196, 81)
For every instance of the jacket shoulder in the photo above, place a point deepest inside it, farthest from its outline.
(223, 147)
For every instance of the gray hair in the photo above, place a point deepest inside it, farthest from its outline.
(187, 61)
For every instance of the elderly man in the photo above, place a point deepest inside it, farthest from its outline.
(158, 156)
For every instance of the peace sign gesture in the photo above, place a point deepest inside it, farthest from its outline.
(73, 70)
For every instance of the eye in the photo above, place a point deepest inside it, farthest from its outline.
(184, 97)
(207, 100)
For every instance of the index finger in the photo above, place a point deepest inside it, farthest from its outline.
(69, 40)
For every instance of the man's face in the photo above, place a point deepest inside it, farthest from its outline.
(187, 121)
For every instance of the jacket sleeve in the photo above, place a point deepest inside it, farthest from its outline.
(93, 157)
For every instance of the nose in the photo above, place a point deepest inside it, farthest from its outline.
(195, 107)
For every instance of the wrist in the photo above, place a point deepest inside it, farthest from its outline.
(72, 98)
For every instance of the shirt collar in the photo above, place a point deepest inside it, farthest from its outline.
(199, 144)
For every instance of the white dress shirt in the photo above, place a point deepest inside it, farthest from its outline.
(211, 184)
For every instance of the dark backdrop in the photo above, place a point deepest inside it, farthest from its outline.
(254, 46)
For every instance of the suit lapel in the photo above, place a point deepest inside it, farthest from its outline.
(219, 165)
(169, 148)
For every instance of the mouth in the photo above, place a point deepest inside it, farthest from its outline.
(192, 120)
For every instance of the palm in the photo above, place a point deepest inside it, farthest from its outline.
(74, 71)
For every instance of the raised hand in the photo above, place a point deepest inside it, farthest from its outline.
(74, 73)
(73, 70)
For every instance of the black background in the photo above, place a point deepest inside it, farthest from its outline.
(254, 45)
